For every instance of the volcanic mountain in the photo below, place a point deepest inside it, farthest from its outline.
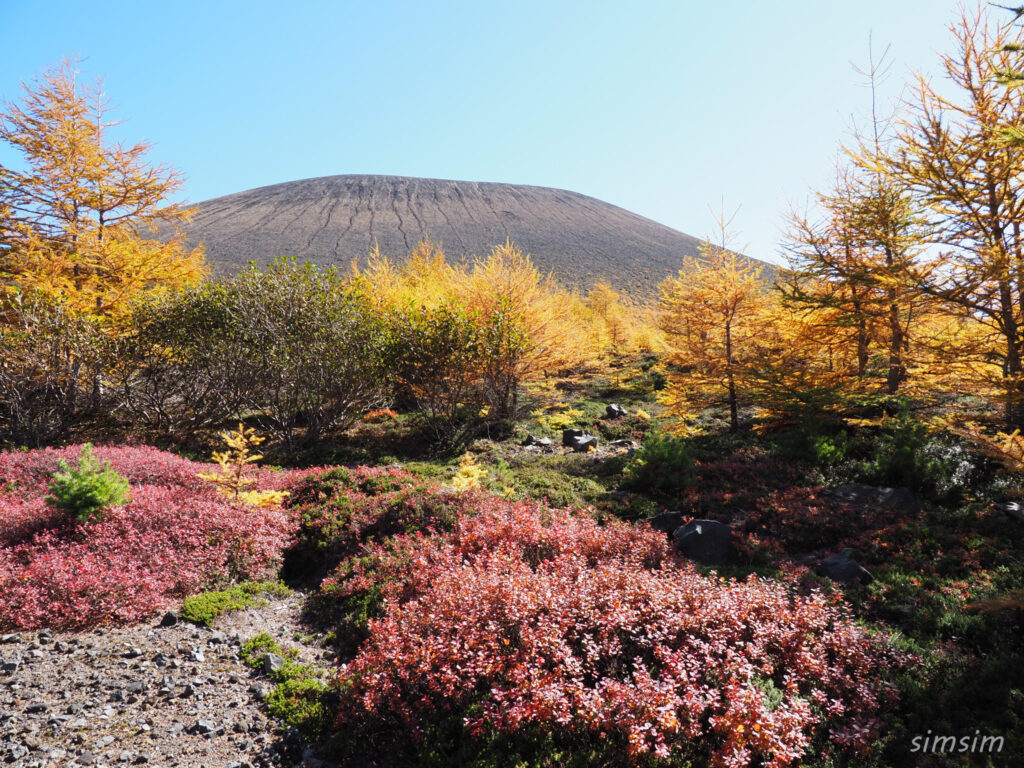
(335, 219)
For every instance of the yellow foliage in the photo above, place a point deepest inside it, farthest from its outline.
(563, 330)
(716, 317)
(469, 474)
(76, 216)
(563, 419)
(231, 480)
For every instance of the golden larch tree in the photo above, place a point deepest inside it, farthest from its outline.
(82, 212)
(714, 316)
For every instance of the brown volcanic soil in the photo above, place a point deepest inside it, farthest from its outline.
(335, 219)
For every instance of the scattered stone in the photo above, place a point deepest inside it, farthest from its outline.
(843, 569)
(272, 663)
(204, 726)
(133, 653)
(529, 440)
(900, 499)
(259, 691)
(14, 637)
(569, 435)
(667, 522)
(615, 411)
(1012, 510)
(36, 706)
(707, 541)
(584, 443)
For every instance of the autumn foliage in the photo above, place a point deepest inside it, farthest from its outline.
(174, 537)
(554, 632)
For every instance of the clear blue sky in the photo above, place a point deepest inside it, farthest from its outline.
(663, 108)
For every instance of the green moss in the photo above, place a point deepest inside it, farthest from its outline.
(300, 698)
(202, 609)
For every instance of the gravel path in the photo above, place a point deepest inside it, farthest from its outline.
(158, 696)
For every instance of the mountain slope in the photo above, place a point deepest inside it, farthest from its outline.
(335, 219)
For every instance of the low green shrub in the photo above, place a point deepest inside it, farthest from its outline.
(664, 465)
(88, 491)
(300, 703)
(300, 698)
(204, 608)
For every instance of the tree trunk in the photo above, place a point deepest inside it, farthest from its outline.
(734, 419)
(897, 362)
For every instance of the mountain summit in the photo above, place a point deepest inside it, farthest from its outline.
(334, 219)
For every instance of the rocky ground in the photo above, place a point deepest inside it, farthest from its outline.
(152, 695)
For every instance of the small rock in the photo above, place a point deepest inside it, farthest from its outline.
(169, 620)
(706, 541)
(133, 653)
(667, 522)
(259, 691)
(11, 638)
(900, 499)
(584, 443)
(1012, 510)
(568, 435)
(615, 411)
(204, 726)
(272, 663)
(36, 706)
(843, 569)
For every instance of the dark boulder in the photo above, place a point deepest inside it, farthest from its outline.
(584, 443)
(667, 522)
(900, 499)
(568, 435)
(615, 411)
(707, 541)
(1012, 510)
(843, 569)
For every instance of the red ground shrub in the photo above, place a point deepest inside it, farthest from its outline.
(174, 537)
(526, 620)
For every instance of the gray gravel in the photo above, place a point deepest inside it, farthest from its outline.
(158, 696)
